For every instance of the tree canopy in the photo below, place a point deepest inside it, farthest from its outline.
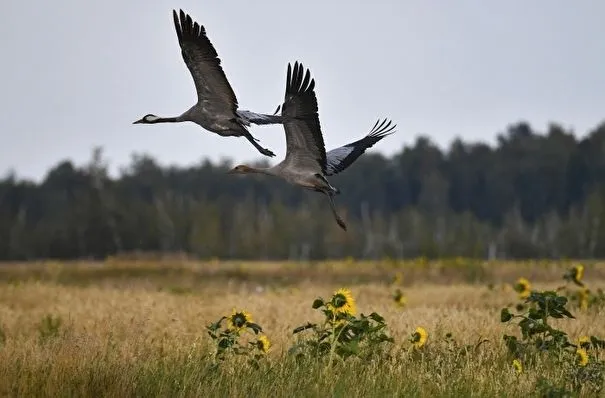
(529, 195)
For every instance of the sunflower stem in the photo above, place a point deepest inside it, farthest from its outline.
(334, 340)
(333, 344)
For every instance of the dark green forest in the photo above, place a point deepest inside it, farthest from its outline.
(532, 194)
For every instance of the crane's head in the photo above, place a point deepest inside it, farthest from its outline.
(241, 169)
(149, 118)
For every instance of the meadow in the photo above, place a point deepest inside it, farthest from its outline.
(143, 327)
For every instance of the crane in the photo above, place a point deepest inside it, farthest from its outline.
(216, 109)
(306, 163)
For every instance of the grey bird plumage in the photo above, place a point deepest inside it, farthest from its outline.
(217, 108)
(339, 159)
(306, 163)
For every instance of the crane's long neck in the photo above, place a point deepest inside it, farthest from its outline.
(167, 120)
(262, 170)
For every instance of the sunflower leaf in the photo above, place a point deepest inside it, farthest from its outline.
(505, 315)
(596, 342)
(304, 327)
(376, 317)
(318, 302)
(216, 325)
(255, 327)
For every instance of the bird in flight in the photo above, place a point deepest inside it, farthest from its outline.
(216, 109)
(306, 163)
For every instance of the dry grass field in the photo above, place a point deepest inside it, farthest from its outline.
(127, 327)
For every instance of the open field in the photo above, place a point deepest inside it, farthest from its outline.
(137, 328)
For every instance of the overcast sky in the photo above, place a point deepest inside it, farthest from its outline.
(76, 74)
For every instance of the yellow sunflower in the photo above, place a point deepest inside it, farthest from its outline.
(523, 287)
(582, 356)
(517, 366)
(343, 302)
(583, 341)
(263, 343)
(578, 273)
(399, 298)
(238, 319)
(419, 337)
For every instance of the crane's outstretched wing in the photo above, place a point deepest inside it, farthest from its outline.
(340, 158)
(203, 62)
(305, 148)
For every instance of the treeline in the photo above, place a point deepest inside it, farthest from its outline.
(530, 195)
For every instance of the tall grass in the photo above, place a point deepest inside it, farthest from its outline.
(141, 334)
(67, 368)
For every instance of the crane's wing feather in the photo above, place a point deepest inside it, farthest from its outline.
(258, 118)
(340, 158)
(304, 142)
(203, 62)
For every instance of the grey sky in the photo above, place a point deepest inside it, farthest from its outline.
(75, 74)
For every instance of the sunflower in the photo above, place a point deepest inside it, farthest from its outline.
(583, 342)
(575, 275)
(419, 337)
(517, 366)
(263, 343)
(582, 356)
(343, 302)
(238, 319)
(578, 273)
(399, 298)
(523, 287)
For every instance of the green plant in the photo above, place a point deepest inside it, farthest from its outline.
(342, 333)
(534, 325)
(228, 339)
(539, 337)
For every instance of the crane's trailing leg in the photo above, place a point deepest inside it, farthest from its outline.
(329, 186)
(336, 216)
(262, 150)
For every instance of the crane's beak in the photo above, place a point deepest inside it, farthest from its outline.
(139, 121)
